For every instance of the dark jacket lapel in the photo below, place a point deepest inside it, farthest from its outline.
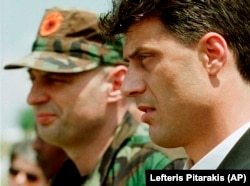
(239, 156)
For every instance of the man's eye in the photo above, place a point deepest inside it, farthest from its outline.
(145, 58)
(142, 57)
(13, 171)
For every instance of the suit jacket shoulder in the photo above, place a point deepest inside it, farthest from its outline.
(239, 156)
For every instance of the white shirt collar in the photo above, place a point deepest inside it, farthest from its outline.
(212, 159)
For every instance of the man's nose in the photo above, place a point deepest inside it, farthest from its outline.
(132, 85)
(37, 96)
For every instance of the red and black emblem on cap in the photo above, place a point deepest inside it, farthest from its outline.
(51, 23)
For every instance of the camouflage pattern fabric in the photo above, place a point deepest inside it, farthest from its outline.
(126, 160)
(69, 41)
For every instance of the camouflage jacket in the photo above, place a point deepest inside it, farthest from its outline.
(124, 163)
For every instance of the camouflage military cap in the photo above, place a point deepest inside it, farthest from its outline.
(69, 41)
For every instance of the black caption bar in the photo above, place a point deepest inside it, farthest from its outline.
(197, 177)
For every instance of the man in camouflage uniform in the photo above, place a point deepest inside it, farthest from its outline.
(78, 105)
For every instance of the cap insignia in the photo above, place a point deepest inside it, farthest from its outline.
(51, 23)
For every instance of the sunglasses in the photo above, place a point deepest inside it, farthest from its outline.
(30, 177)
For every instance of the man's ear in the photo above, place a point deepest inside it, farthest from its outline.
(213, 50)
(116, 76)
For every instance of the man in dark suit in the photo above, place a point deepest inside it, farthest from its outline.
(189, 72)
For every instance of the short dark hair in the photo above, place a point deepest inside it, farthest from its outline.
(188, 21)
